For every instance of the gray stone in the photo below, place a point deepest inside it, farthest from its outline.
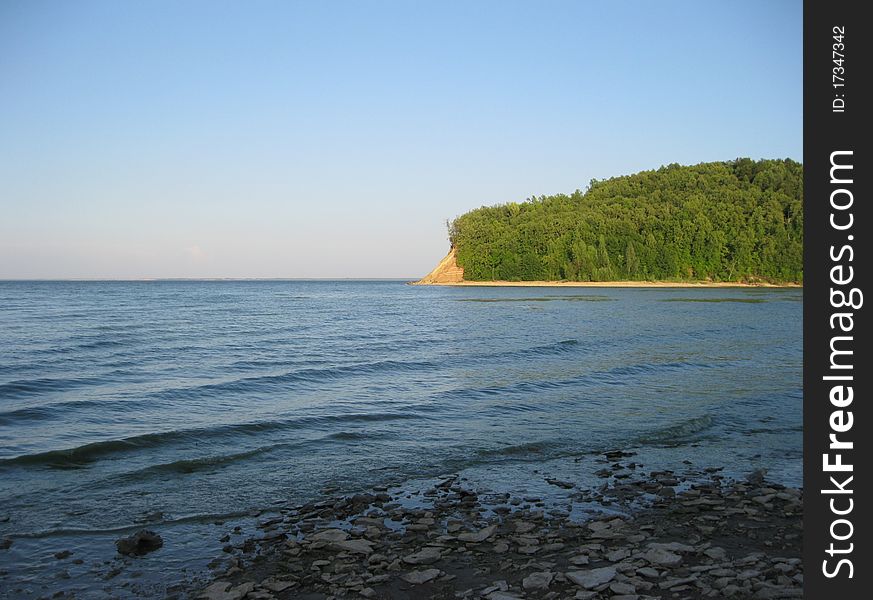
(421, 576)
(478, 536)
(330, 535)
(664, 558)
(620, 588)
(425, 556)
(618, 555)
(648, 572)
(672, 547)
(538, 581)
(276, 585)
(716, 553)
(364, 547)
(221, 590)
(671, 583)
(524, 527)
(591, 578)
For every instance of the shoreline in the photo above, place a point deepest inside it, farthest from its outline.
(612, 284)
(646, 535)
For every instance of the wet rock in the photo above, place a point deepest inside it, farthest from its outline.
(561, 484)
(478, 536)
(140, 543)
(63, 554)
(524, 527)
(716, 553)
(5, 543)
(592, 578)
(222, 590)
(420, 576)
(330, 535)
(648, 572)
(672, 547)
(620, 588)
(668, 584)
(661, 557)
(500, 548)
(364, 547)
(618, 555)
(425, 556)
(538, 581)
(277, 586)
(756, 477)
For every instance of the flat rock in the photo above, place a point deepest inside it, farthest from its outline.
(425, 556)
(478, 536)
(591, 578)
(622, 589)
(420, 576)
(524, 527)
(716, 553)
(648, 572)
(222, 590)
(672, 547)
(538, 581)
(661, 557)
(276, 585)
(618, 555)
(330, 535)
(354, 546)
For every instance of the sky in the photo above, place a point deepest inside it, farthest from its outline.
(334, 139)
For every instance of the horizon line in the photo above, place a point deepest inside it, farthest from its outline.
(145, 279)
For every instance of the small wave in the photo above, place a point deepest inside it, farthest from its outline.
(24, 388)
(75, 531)
(270, 382)
(515, 450)
(352, 436)
(557, 348)
(617, 376)
(192, 465)
(81, 456)
(678, 433)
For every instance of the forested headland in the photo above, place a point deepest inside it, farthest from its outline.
(739, 220)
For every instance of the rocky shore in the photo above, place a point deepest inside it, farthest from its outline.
(649, 534)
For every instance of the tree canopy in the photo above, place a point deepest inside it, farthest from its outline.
(739, 220)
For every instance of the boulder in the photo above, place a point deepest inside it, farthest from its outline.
(141, 542)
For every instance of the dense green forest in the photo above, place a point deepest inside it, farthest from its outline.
(740, 220)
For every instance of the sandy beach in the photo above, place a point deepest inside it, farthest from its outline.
(615, 284)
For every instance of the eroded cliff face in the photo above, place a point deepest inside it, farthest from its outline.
(447, 271)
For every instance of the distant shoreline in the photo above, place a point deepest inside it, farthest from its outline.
(448, 272)
(614, 284)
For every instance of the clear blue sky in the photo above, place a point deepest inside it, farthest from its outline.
(334, 138)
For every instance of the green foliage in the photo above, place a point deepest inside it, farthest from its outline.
(740, 220)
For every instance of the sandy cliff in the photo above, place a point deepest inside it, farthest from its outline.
(447, 271)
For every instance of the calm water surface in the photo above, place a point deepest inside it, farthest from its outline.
(183, 403)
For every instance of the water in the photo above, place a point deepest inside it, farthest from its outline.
(185, 403)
